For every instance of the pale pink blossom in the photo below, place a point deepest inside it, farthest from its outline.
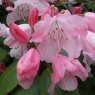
(27, 68)
(22, 7)
(62, 31)
(64, 73)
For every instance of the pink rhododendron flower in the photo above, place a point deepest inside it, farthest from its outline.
(64, 74)
(59, 32)
(27, 68)
(22, 7)
(51, 10)
(90, 20)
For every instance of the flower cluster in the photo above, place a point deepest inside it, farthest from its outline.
(46, 33)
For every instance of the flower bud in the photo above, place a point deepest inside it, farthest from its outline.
(18, 34)
(27, 68)
(33, 17)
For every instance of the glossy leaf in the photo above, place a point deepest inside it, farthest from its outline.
(8, 79)
(3, 54)
(33, 90)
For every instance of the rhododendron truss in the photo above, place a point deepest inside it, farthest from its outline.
(59, 32)
(52, 47)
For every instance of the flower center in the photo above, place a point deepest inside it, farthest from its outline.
(57, 33)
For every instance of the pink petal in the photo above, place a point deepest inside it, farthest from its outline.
(40, 31)
(12, 17)
(78, 27)
(72, 45)
(90, 20)
(11, 42)
(48, 49)
(59, 66)
(81, 72)
(69, 82)
(88, 49)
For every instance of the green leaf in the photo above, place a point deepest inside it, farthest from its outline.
(63, 52)
(91, 5)
(58, 91)
(44, 82)
(3, 54)
(8, 79)
(75, 92)
(85, 87)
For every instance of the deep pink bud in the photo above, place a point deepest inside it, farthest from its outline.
(7, 3)
(76, 10)
(18, 34)
(33, 17)
(2, 68)
(51, 10)
(27, 68)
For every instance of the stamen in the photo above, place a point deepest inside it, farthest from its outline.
(57, 36)
(57, 33)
